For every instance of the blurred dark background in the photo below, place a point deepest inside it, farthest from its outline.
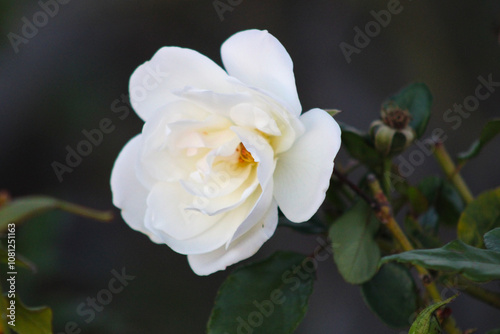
(65, 78)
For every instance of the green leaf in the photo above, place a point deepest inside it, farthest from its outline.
(360, 147)
(473, 263)
(449, 204)
(417, 98)
(355, 250)
(418, 201)
(27, 207)
(270, 296)
(480, 216)
(490, 130)
(392, 295)
(426, 322)
(444, 198)
(30, 320)
(420, 237)
(492, 240)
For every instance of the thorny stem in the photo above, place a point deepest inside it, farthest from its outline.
(384, 214)
(451, 171)
(373, 204)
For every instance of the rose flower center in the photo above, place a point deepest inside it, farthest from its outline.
(245, 156)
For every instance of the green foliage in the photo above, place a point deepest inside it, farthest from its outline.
(479, 217)
(495, 331)
(443, 197)
(473, 263)
(31, 320)
(355, 250)
(420, 236)
(417, 99)
(492, 240)
(28, 207)
(270, 296)
(360, 147)
(490, 130)
(426, 322)
(392, 295)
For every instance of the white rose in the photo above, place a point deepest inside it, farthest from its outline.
(219, 152)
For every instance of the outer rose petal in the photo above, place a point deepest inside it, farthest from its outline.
(240, 249)
(173, 69)
(259, 60)
(302, 174)
(128, 193)
(168, 217)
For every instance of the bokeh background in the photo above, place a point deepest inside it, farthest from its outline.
(65, 79)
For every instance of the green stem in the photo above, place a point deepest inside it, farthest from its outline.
(384, 214)
(451, 171)
(85, 212)
(386, 176)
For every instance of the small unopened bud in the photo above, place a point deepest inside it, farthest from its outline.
(395, 117)
(392, 134)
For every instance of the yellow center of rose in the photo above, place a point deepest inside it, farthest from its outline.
(245, 156)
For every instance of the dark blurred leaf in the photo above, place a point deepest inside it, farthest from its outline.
(449, 205)
(429, 186)
(430, 221)
(495, 331)
(443, 197)
(27, 207)
(31, 320)
(473, 263)
(418, 201)
(490, 130)
(426, 322)
(360, 147)
(419, 236)
(392, 295)
(492, 240)
(479, 217)
(313, 226)
(355, 250)
(264, 297)
(417, 98)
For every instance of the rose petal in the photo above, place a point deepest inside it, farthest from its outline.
(242, 248)
(258, 59)
(216, 205)
(173, 69)
(167, 202)
(172, 218)
(256, 214)
(128, 193)
(302, 174)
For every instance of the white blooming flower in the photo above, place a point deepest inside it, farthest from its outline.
(220, 151)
